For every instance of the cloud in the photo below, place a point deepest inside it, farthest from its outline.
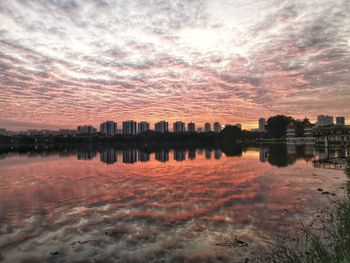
(72, 62)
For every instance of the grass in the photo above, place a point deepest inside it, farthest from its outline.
(329, 244)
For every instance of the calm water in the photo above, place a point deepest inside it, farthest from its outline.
(183, 205)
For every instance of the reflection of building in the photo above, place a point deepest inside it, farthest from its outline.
(143, 126)
(217, 154)
(130, 156)
(108, 128)
(263, 154)
(191, 154)
(86, 129)
(179, 155)
(143, 156)
(191, 127)
(262, 125)
(217, 127)
(162, 156)
(129, 127)
(108, 156)
(162, 127)
(178, 126)
(340, 120)
(207, 127)
(324, 120)
(207, 154)
(86, 155)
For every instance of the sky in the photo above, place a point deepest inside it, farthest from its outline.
(65, 63)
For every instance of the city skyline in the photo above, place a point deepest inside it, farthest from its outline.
(68, 62)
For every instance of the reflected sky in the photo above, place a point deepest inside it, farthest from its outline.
(170, 205)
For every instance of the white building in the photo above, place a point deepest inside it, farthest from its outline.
(207, 127)
(142, 126)
(179, 126)
(191, 127)
(162, 127)
(108, 128)
(324, 120)
(340, 120)
(262, 125)
(217, 127)
(86, 129)
(129, 127)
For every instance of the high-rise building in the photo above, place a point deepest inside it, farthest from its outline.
(108, 128)
(86, 129)
(179, 126)
(142, 126)
(162, 127)
(217, 127)
(191, 127)
(340, 120)
(129, 127)
(324, 120)
(207, 127)
(262, 125)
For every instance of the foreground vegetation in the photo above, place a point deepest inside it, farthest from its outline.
(331, 243)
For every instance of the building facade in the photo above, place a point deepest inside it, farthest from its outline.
(324, 120)
(332, 136)
(340, 120)
(162, 127)
(129, 127)
(207, 127)
(86, 129)
(191, 127)
(262, 125)
(142, 126)
(217, 127)
(108, 128)
(179, 126)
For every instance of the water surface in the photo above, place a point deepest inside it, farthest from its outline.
(167, 205)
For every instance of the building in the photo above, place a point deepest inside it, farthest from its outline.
(191, 127)
(217, 127)
(162, 156)
(199, 130)
(179, 126)
(340, 120)
(207, 127)
(162, 127)
(306, 138)
(332, 136)
(108, 128)
(291, 132)
(324, 120)
(262, 125)
(129, 127)
(3, 132)
(239, 126)
(66, 132)
(86, 129)
(142, 126)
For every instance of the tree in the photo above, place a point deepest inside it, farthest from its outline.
(231, 133)
(277, 125)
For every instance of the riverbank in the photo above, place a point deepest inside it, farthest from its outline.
(329, 242)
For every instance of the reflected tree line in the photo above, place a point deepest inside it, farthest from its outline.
(279, 155)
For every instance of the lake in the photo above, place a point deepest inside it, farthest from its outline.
(104, 204)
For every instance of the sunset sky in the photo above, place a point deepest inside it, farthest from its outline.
(65, 63)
